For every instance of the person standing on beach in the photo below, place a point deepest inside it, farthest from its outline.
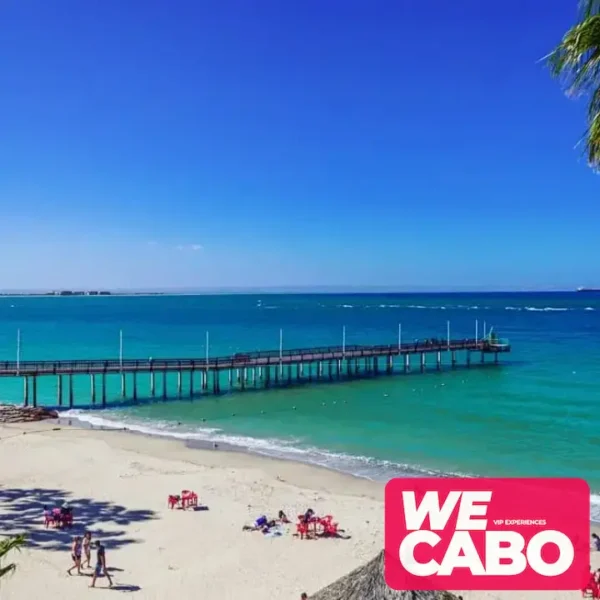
(76, 555)
(100, 566)
(87, 551)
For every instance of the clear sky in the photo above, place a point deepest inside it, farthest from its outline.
(146, 143)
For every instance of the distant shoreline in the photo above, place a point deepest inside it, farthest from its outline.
(274, 292)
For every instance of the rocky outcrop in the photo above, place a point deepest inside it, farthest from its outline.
(10, 413)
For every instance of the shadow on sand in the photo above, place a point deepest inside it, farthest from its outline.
(22, 513)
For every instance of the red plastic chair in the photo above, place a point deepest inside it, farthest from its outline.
(331, 528)
(172, 501)
(67, 520)
(189, 499)
(49, 520)
(592, 590)
(302, 529)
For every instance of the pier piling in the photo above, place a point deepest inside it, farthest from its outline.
(255, 368)
(59, 389)
(93, 388)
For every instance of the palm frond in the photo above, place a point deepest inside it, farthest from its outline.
(589, 8)
(576, 63)
(576, 59)
(8, 545)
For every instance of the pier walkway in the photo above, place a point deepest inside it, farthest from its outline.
(248, 369)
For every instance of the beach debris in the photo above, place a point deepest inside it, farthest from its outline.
(11, 413)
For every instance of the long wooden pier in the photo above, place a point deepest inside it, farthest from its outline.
(246, 370)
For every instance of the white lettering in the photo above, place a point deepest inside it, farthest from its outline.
(430, 505)
(468, 510)
(407, 553)
(494, 553)
(461, 542)
(565, 557)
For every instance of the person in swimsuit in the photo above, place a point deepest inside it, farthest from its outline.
(100, 566)
(87, 551)
(76, 555)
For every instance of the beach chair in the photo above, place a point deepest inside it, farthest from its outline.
(592, 590)
(189, 499)
(330, 529)
(302, 529)
(173, 501)
(67, 519)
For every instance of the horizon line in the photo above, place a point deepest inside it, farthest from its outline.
(252, 290)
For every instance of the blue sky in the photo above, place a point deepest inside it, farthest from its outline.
(302, 142)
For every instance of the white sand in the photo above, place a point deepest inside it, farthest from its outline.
(118, 483)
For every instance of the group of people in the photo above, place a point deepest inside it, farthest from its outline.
(81, 554)
(265, 525)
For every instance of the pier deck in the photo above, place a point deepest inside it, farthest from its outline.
(249, 367)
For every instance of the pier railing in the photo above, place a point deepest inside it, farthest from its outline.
(241, 359)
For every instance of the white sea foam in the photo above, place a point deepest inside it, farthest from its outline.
(359, 466)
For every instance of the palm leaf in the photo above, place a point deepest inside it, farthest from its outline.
(6, 546)
(576, 62)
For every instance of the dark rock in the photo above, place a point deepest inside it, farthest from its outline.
(10, 413)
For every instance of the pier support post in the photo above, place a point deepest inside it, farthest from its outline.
(260, 372)
(253, 376)
(338, 368)
(301, 370)
(453, 359)
(59, 388)
(134, 377)
(152, 384)
(276, 369)
(390, 365)
(310, 369)
(164, 378)
(230, 378)
(238, 375)
(204, 379)
(267, 376)
(179, 383)
(215, 375)
(298, 372)
(422, 362)
(244, 378)
(320, 369)
(495, 357)
(34, 386)
(439, 361)
(468, 358)
(103, 390)
(482, 357)
(25, 391)
(330, 370)
(123, 386)
(93, 388)
(376, 365)
(406, 363)
(289, 372)
(71, 398)
(349, 367)
(192, 383)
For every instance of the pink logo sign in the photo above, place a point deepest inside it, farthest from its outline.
(487, 534)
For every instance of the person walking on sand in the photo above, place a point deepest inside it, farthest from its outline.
(100, 566)
(76, 555)
(87, 551)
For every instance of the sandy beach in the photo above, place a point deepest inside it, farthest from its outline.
(118, 484)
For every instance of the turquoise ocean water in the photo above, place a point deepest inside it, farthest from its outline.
(537, 414)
